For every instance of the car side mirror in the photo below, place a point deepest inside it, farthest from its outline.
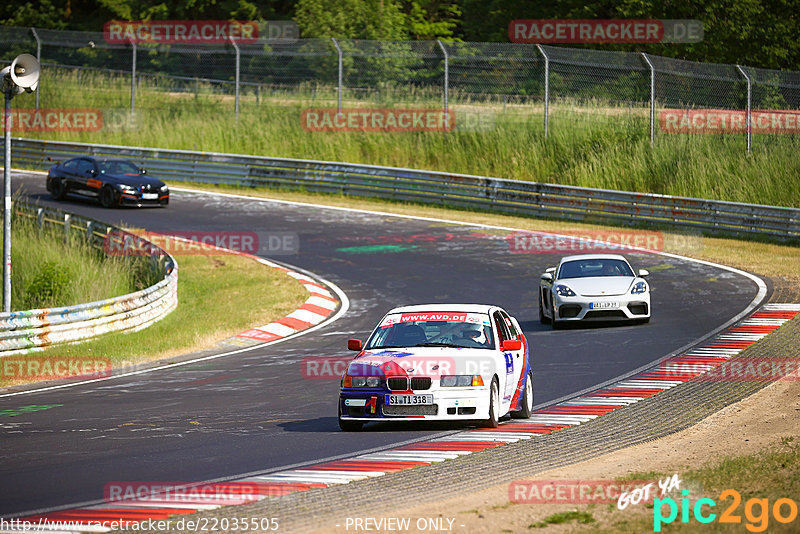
(355, 344)
(511, 344)
(644, 272)
(547, 277)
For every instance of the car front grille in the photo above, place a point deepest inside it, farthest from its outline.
(428, 409)
(603, 314)
(420, 383)
(397, 383)
(638, 308)
(568, 311)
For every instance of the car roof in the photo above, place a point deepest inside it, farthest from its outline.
(468, 308)
(95, 158)
(594, 257)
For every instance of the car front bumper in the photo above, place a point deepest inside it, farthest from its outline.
(624, 307)
(450, 404)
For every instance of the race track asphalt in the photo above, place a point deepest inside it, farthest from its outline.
(255, 412)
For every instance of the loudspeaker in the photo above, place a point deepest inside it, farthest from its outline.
(25, 72)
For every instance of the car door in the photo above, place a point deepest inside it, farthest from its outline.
(85, 177)
(513, 360)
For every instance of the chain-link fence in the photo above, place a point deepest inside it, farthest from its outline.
(553, 84)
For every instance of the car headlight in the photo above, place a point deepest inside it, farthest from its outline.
(164, 188)
(361, 381)
(639, 287)
(127, 189)
(564, 291)
(456, 381)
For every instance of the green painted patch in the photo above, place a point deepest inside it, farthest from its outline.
(13, 412)
(376, 249)
(661, 267)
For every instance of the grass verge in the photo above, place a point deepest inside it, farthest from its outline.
(49, 272)
(219, 296)
(592, 144)
(758, 481)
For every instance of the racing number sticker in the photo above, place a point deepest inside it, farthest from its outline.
(509, 363)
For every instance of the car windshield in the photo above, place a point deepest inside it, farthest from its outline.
(433, 329)
(594, 267)
(117, 167)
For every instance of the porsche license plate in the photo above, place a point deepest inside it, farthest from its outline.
(414, 400)
(149, 196)
(603, 305)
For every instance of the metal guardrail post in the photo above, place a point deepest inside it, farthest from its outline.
(67, 226)
(339, 86)
(546, 89)
(236, 47)
(7, 204)
(652, 98)
(446, 73)
(133, 78)
(749, 104)
(39, 59)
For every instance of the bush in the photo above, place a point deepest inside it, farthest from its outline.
(48, 286)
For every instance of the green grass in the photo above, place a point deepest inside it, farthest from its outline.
(559, 518)
(771, 474)
(219, 296)
(593, 145)
(46, 272)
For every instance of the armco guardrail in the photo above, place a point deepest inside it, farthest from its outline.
(461, 190)
(31, 330)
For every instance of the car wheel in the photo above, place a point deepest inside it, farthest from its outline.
(349, 426)
(527, 400)
(57, 189)
(108, 197)
(542, 317)
(494, 406)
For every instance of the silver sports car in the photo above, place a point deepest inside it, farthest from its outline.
(602, 287)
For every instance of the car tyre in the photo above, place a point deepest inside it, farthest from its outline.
(494, 406)
(542, 317)
(527, 400)
(57, 189)
(349, 426)
(108, 197)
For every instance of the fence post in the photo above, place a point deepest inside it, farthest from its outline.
(749, 103)
(446, 72)
(546, 89)
(339, 51)
(236, 47)
(133, 77)
(38, 58)
(652, 98)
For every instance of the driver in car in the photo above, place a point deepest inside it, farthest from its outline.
(472, 336)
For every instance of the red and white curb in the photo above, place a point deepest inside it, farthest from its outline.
(375, 464)
(318, 307)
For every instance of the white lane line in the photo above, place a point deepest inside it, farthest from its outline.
(649, 384)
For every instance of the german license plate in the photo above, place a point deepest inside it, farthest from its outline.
(413, 400)
(149, 196)
(603, 305)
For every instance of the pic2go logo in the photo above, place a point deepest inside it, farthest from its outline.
(756, 511)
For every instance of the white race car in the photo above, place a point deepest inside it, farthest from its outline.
(461, 362)
(602, 287)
